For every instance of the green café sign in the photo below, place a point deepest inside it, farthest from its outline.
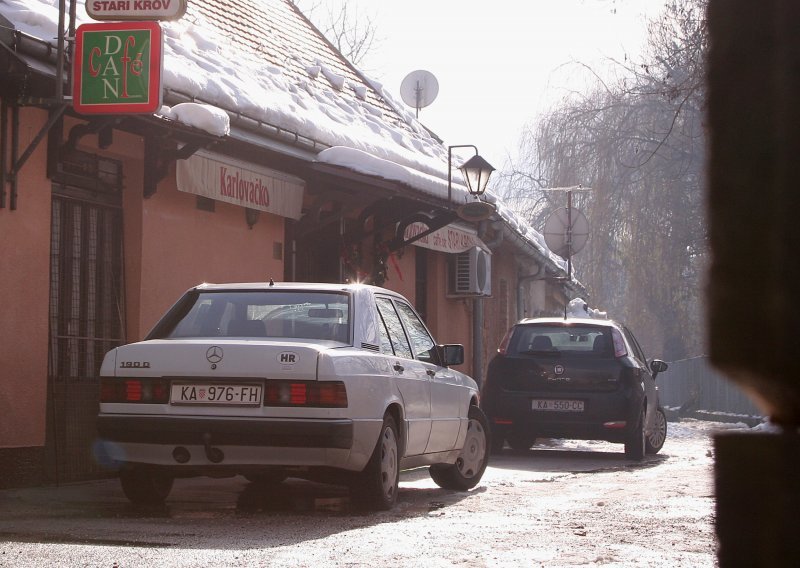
(118, 68)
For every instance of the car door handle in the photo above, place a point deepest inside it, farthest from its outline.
(398, 367)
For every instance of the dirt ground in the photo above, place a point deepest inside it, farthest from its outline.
(557, 505)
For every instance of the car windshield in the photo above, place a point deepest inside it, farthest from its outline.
(587, 340)
(259, 314)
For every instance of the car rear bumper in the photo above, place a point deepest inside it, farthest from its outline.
(188, 444)
(607, 416)
(182, 430)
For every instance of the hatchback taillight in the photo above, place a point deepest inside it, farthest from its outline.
(325, 394)
(146, 391)
(619, 344)
(503, 347)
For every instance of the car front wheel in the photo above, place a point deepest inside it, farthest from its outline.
(656, 437)
(471, 462)
(144, 486)
(376, 486)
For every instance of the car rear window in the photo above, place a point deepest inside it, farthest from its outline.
(586, 340)
(259, 314)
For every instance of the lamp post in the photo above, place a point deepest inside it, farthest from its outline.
(476, 172)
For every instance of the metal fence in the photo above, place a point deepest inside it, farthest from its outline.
(692, 386)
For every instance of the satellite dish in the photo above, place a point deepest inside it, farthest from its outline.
(566, 231)
(419, 89)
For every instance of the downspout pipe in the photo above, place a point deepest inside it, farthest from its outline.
(477, 305)
(540, 274)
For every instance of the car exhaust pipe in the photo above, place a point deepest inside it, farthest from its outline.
(181, 454)
(214, 455)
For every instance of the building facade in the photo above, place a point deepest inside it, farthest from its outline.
(108, 218)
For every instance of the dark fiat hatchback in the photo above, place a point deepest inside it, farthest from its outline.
(584, 379)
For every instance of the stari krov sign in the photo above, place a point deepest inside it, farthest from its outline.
(117, 68)
(135, 9)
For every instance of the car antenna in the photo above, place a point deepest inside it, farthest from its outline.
(271, 282)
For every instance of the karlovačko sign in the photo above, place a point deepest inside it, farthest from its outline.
(135, 9)
(241, 183)
(117, 68)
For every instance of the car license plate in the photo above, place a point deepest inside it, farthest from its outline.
(558, 405)
(216, 394)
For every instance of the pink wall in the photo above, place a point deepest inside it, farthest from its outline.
(24, 286)
(182, 246)
(450, 318)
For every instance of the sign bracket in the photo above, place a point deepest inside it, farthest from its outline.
(158, 159)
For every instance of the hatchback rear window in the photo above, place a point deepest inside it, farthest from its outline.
(587, 340)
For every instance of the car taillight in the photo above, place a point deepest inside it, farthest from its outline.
(503, 347)
(619, 344)
(325, 394)
(146, 391)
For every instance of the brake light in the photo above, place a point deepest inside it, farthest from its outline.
(147, 391)
(503, 347)
(324, 394)
(133, 391)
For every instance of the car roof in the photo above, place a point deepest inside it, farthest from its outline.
(291, 286)
(570, 321)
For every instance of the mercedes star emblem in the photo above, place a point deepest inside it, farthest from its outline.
(214, 354)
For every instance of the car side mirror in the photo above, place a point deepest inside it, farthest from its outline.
(658, 366)
(451, 354)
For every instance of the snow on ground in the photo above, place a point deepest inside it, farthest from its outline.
(559, 505)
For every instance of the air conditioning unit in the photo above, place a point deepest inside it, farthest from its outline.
(470, 273)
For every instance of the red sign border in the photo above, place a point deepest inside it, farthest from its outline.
(156, 63)
(133, 15)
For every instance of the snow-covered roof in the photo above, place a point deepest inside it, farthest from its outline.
(263, 59)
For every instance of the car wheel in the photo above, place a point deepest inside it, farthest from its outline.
(143, 486)
(634, 444)
(268, 477)
(471, 462)
(655, 439)
(520, 441)
(376, 486)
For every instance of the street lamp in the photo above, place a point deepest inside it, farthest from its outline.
(476, 172)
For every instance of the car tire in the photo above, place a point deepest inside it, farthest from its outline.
(655, 439)
(635, 442)
(473, 459)
(144, 486)
(520, 441)
(376, 486)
